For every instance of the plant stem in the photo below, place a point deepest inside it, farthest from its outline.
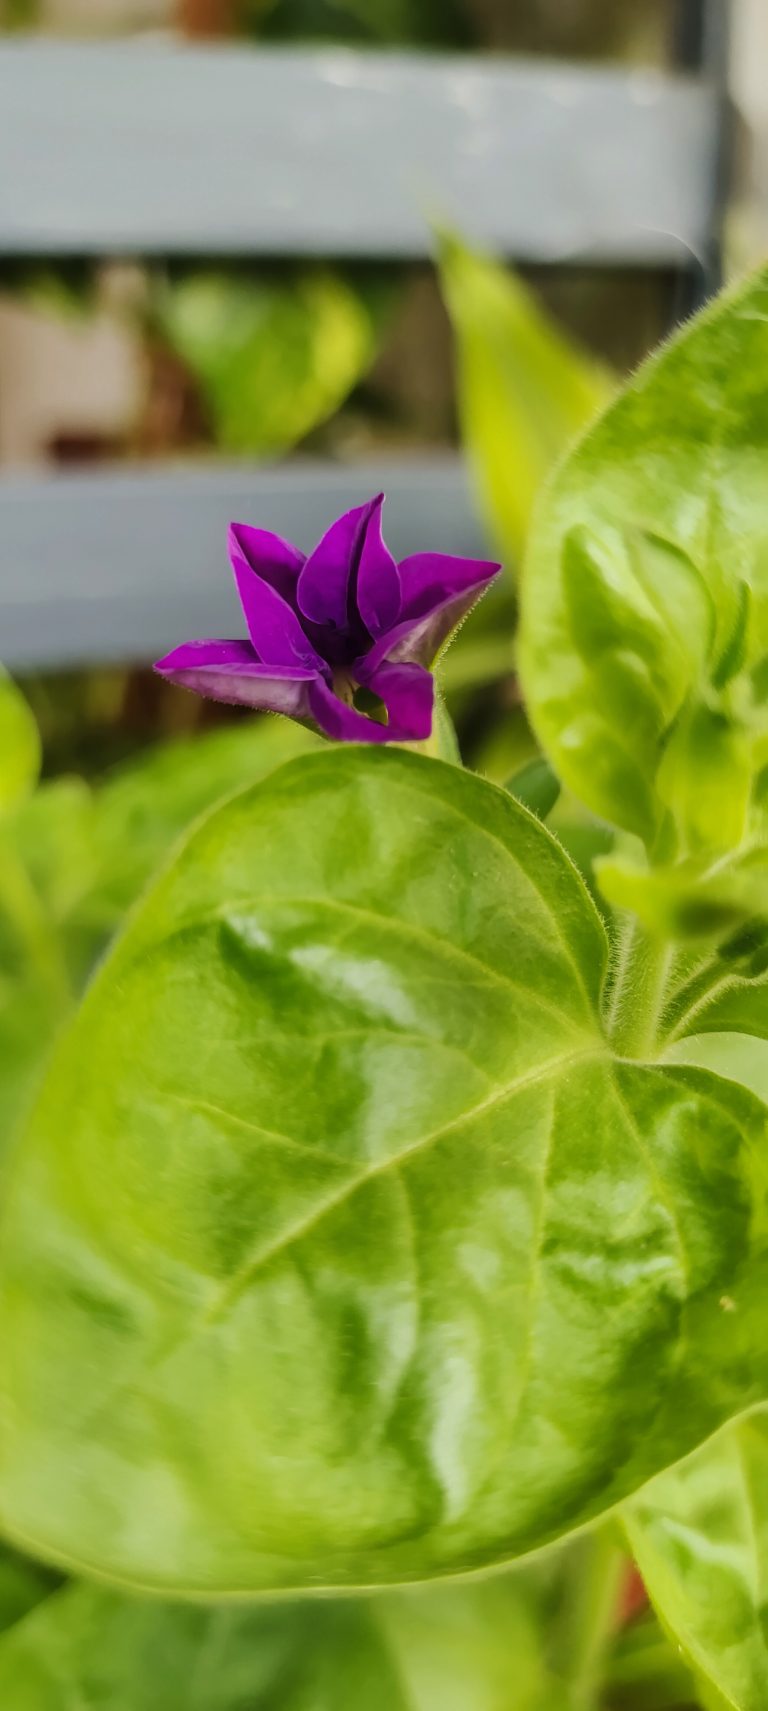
(638, 992)
(590, 1618)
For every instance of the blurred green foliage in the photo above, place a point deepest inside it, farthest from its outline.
(272, 358)
(525, 389)
(430, 23)
(74, 857)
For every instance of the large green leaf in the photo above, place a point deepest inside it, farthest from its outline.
(272, 359)
(470, 1649)
(525, 389)
(700, 1537)
(644, 636)
(340, 1250)
(19, 745)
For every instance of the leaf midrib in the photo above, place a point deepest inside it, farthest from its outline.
(230, 1292)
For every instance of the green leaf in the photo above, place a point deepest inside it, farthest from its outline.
(425, 22)
(23, 1585)
(272, 360)
(645, 600)
(45, 861)
(645, 1671)
(536, 786)
(525, 388)
(700, 1537)
(690, 900)
(739, 1057)
(147, 803)
(73, 861)
(19, 745)
(474, 1648)
(340, 1250)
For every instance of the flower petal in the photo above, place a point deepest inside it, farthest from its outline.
(273, 626)
(428, 580)
(378, 591)
(408, 694)
(229, 671)
(418, 639)
(327, 591)
(274, 559)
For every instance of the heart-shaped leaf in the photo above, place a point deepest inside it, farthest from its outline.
(341, 1249)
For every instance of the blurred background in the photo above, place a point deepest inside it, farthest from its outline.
(357, 354)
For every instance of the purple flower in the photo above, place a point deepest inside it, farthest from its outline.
(324, 627)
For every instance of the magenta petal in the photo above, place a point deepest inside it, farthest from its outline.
(190, 655)
(271, 557)
(428, 580)
(418, 640)
(273, 626)
(229, 671)
(378, 579)
(407, 692)
(326, 587)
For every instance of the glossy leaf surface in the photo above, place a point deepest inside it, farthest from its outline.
(645, 599)
(700, 1537)
(359, 1259)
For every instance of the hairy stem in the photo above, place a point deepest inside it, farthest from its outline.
(638, 993)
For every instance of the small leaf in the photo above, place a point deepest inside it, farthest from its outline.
(525, 388)
(700, 1538)
(19, 745)
(641, 659)
(693, 900)
(536, 786)
(705, 779)
(359, 1211)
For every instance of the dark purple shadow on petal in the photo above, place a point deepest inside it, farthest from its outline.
(418, 640)
(274, 559)
(240, 681)
(273, 626)
(408, 695)
(429, 579)
(326, 589)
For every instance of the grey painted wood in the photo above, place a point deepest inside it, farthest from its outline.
(120, 567)
(137, 147)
